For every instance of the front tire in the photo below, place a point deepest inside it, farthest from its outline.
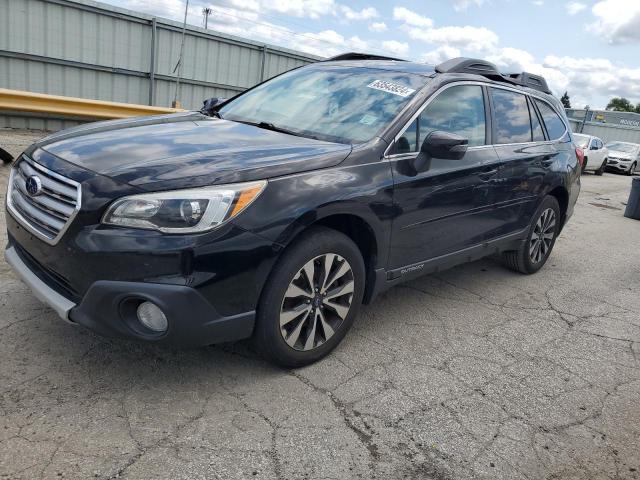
(600, 171)
(543, 231)
(311, 298)
(632, 169)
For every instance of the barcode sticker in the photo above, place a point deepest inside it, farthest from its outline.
(391, 87)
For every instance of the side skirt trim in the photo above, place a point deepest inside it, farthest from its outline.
(444, 262)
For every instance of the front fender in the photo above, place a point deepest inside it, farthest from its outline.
(289, 205)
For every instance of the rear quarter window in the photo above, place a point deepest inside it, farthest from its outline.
(555, 126)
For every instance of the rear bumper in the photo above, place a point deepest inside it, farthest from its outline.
(108, 308)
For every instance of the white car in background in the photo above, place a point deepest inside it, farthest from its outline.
(596, 153)
(623, 157)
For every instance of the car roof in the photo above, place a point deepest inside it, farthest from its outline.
(422, 69)
(391, 65)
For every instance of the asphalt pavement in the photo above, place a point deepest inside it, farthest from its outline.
(478, 372)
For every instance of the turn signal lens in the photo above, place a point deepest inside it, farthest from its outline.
(245, 198)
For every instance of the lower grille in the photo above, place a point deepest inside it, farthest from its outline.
(43, 201)
(54, 280)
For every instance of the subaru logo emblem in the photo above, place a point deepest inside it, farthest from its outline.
(33, 185)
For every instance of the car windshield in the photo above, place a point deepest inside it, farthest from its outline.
(333, 103)
(581, 140)
(622, 147)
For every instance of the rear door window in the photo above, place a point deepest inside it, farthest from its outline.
(511, 117)
(555, 126)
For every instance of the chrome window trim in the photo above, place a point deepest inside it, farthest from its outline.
(23, 221)
(387, 156)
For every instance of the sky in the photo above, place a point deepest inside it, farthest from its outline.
(589, 48)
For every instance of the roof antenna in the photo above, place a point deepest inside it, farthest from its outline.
(176, 103)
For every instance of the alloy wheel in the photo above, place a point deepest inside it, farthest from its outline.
(316, 302)
(542, 236)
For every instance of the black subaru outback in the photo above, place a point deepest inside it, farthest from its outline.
(277, 213)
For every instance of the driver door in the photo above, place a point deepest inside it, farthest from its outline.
(445, 207)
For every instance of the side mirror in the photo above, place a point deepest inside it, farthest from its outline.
(440, 144)
(593, 147)
(445, 145)
(210, 104)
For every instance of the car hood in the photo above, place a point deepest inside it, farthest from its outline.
(619, 155)
(188, 150)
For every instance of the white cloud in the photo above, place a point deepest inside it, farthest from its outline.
(573, 8)
(470, 38)
(461, 5)
(578, 64)
(356, 43)
(398, 48)
(411, 18)
(378, 27)
(538, 3)
(253, 5)
(617, 20)
(301, 8)
(514, 60)
(597, 77)
(364, 14)
(440, 54)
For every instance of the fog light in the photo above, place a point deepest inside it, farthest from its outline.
(152, 317)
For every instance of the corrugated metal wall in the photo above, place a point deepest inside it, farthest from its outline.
(605, 128)
(93, 50)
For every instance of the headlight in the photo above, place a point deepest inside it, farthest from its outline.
(183, 211)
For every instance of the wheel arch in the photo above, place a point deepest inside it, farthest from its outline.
(367, 236)
(562, 196)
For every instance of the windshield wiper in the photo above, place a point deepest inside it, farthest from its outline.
(275, 128)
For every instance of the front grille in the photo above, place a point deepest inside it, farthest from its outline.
(49, 208)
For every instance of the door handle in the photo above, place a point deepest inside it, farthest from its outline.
(487, 175)
(547, 160)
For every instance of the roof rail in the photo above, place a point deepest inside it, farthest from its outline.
(489, 70)
(530, 80)
(467, 65)
(361, 56)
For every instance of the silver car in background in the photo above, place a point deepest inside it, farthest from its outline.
(623, 157)
(595, 153)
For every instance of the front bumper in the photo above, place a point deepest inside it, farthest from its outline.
(47, 295)
(618, 167)
(108, 308)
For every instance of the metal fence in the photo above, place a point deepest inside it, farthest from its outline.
(92, 50)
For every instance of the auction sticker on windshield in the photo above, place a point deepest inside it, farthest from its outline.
(391, 87)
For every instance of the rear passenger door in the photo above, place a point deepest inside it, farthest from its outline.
(520, 142)
(444, 208)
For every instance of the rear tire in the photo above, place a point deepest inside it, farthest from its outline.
(310, 299)
(543, 231)
(632, 169)
(600, 171)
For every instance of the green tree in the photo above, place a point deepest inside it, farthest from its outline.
(566, 101)
(620, 104)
